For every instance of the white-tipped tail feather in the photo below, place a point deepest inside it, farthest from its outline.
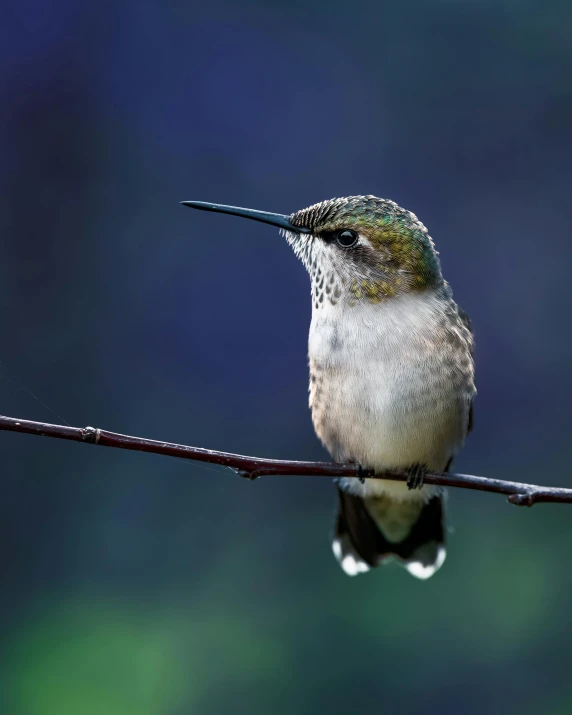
(366, 535)
(348, 559)
(424, 571)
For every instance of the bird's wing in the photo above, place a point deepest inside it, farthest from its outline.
(467, 323)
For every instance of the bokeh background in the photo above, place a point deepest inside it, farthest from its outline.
(138, 585)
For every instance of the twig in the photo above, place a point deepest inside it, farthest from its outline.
(254, 467)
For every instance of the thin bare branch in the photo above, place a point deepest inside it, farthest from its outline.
(254, 467)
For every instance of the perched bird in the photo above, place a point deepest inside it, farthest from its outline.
(391, 371)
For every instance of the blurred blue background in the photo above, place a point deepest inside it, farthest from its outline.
(140, 585)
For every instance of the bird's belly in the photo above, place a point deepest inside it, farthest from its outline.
(388, 399)
(388, 416)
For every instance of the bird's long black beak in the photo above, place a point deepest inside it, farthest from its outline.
(274, 219)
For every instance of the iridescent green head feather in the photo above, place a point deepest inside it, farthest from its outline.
(392, 254)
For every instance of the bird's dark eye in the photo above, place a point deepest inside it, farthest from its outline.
(347, 238)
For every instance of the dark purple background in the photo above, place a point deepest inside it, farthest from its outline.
(134, 584)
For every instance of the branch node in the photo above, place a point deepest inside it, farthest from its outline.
(91, 435)
(526, 499)
(245, 473)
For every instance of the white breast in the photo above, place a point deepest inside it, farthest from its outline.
(391, 384)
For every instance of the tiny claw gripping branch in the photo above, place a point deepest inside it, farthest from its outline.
(91, 435)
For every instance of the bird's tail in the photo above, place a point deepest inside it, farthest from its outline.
(370, 530)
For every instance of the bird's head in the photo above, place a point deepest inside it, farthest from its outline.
(356, 249)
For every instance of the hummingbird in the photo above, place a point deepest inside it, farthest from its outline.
(391, 372)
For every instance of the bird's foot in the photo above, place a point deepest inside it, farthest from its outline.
(416, 476)
(360, 476)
